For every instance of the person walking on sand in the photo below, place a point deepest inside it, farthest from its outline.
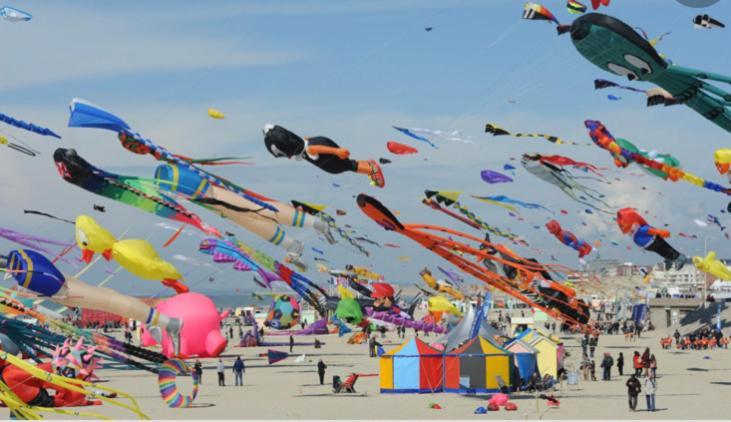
(653, 367)
(239, 369)
(372, 346)
(198, 370)
(620, 364)
(645, 360)
(650, 388)
(291, 344)
(633, 390)
(220, 368)
(321, 371)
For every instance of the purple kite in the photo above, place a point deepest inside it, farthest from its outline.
(274, 356)
(491, 177)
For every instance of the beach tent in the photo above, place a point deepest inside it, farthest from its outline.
(475, 367)
(413, 367)
(548, 352)
(525, 358)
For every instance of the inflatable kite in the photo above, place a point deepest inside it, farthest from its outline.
(135, 255)
(551, 169)
(623, 156)
(615, 47)
(440, 286)
(44, 131)
(35, 272)
(567, 238)
(130, 190)
(284, 313)
(575, 7)
(215, 114)
(169, 391)
(400, 149)
(535, 11)
(649, 238)
(530, 283)
(713, 266)
(321, 151)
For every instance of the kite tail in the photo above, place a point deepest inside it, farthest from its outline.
(330, 221)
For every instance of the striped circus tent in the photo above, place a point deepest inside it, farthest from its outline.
(413, 367)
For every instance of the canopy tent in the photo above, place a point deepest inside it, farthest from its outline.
(525, 357)
(476, 367)
(473, 324)
(548, 352)
(413, 367)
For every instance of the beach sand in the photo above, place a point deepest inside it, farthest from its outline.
(689, 387)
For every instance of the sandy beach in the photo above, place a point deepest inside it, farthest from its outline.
(689, 387)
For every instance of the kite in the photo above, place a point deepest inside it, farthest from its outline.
(491, 177)
(137, 256)
(215, 114)
(86, 115)
(30, 241)
(169, 391)
(615, 47)
(435, 200)
(35, 272)
(321, 151)
(400, 149)
(716, 222)
(363, 272)
(532, 287)
(649, 238)
(596, 3)
(12, 14)
(722, 160)
(284, 313)
(707, 22)
(602, 138)
(508, 167)
(551, 169)
(274, 356)
(603, 83)
(440, 286)
(245, 258)
(384, 161)
(569, 239)
(613, 97)
(712, 265)
(100, 208)
(23, 149)
(27, 126)
(44, 214)
(653, 41)
(498, 131)
(263, 222)
(134, 191)
(655, 96)
(535, 11)
(575, 7)
(505, 202)
(410, 133)
(439, 304)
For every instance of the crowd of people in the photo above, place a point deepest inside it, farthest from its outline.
(702, 339)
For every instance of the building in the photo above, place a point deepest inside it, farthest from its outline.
(687, 279)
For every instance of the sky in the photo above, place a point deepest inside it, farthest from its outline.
(349, 70)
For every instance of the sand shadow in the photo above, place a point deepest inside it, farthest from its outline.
(721, 382)
(201, 405)
(697, 369)
(360, 395)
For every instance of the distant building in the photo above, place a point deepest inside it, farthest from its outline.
(687, 279)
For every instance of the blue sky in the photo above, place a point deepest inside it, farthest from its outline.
(348, 70)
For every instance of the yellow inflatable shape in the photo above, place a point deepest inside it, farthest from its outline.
(712, 266)
(722, 158)
(215, 114)
(135, 255)
(345, 293)
(440, 286)
(440, 303)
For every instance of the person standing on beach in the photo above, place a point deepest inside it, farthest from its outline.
(650, 388)
(291, 344)
(239, 370)
(620, 364)
(220, 368)
(645, 361)
(633, 390)
(321, 371)
(198, 370)
(653, 367)
(637, 363)
(372, 346)
(606, 365)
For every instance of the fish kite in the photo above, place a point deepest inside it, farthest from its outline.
(215, 114)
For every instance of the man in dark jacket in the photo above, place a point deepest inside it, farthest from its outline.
(606, 365)
(321, 371)
(620, 364)
(239, 369)
(633, 390)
